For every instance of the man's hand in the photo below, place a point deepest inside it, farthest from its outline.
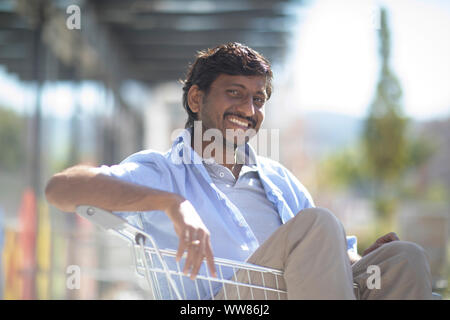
(193, 237)
(391, 236)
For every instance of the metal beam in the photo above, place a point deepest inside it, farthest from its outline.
(279, 22)
(195, 6)
(168, 37)
(187, 51)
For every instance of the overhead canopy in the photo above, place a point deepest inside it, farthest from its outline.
(150, 41)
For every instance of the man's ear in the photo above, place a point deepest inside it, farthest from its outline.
(195, 98)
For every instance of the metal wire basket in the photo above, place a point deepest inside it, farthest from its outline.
(235, 280)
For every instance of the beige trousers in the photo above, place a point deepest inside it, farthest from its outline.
(311, 249)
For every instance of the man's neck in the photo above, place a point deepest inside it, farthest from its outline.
(225, 156)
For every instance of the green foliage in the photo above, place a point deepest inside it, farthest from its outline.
(384, 206)
(343, 168)
(385, 128)
(12, 155)
(386, 146)
(384, 138)
(420, 150)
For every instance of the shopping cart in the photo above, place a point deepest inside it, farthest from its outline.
(164, 276)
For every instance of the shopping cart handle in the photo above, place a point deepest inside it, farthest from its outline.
(108, 221)
(102, 218)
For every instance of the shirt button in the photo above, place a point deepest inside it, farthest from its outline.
(222, 174)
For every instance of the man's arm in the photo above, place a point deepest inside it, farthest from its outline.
(84, 185)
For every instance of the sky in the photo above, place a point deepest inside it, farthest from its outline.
(336, 62)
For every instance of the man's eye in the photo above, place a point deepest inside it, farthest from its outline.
(259, 100)
(233, 92)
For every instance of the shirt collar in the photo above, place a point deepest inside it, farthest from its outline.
(246, 155)
(182, 151)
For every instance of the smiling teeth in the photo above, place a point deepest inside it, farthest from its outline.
(241, 123)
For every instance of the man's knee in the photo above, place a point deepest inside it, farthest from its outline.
(411, 251)
(413, 261)
(320, 220)
(320, 216)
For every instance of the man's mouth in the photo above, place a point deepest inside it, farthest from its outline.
(239, 121)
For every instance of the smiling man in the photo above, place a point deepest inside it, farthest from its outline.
(226, 201)
(234, 108)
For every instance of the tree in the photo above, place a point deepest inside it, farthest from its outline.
(384, 138)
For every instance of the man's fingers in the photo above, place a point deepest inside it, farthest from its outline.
(198, 247)
(210, 260)
(180, 251)
(391, 236)
(189, 260)
(182, 244)
(371, 248)
(192, 255)
(198, 259)
(199, 253)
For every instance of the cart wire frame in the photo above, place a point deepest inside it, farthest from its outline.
(249, 281)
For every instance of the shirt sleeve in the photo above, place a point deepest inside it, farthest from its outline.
(146, 174)
(118, 171)
(302, 194)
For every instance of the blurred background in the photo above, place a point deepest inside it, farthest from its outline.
(361, 99)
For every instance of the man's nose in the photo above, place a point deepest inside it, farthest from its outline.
(247, 106)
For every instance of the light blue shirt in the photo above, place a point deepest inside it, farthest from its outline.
(247, 193)
(180, 170)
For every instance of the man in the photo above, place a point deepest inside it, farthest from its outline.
(228, 201)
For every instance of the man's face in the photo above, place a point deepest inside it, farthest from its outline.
(233, 103)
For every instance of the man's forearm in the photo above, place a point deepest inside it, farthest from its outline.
(82, 185)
